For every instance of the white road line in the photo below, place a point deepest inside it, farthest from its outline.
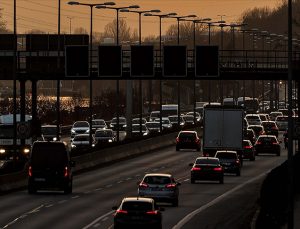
(188, 217)
(62, 201)
(119, 182)
(106, 218)
(98, 189)
(49, 206)
(186, 180)
(108, 186)
(98, 219)
(75, 197)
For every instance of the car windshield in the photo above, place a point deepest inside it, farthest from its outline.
(137, 121)
(121, 120)
(137, 128)
(268, 125)
(47, 130)
(267, 139)
(187, 135)
(175, 118)
(282, 118)
(81, 124)
(136, 206)
(225, 155)
(153, 124)
(188, 117)
(103, 134)
(206, 161)
(252, 117)
(81, 138)
(98, 122)
(157, 180)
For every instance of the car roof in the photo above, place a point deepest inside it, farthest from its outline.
(226, 151)
(188, 131)
(267, 136)
(158, 174)
(104, 130)
(138, 199)
(207, 158)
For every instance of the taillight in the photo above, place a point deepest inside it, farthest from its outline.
(274, 128)
(143, 185)
(66, 173)
(275, 143)
(197, 140)
(196, 169)
(258, 143)
(119, 211)
(247, 147)
(30, 171)
(170, 185)
(152, 212)
(177, 139)
(218, 169)
(237, 161)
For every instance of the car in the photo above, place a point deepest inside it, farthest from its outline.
(50, 167)
(138, 120)
(138, 130)
(258, 129)
(270, 128)
(165, 121)
(162, 187)
(80, 143)
(122, 124)
(249, 134)
(98, 124)
(274, 114)
(197, 115)
(154, 115)
(229, 161)
(264, 117)
(267, 144)
(188, 119)
(285, 112)
(104, 136)
(253, 119)
(207, 168)
(282, 122)
(153, 127)
(49, 132)
(248, 150)
(137, 212)
(188, 139)
(80, 127)
(174, 121)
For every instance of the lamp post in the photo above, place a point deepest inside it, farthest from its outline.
(160, 19)
(178, 18)
(91, 5)
(117, 10)
(222, 25)
(233, 26)
(210, 24)
(140, 12)
(70, 23)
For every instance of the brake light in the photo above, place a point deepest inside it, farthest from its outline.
(30, 171)
(196, 169)
(247, 147)
(152, 212)
(237, 161)
(170, 185)
(218, 169)
(177, 139)
(275, 143)
(197, 140)
(66, 174)
(258, 143)
(119, 211)
(143, 185)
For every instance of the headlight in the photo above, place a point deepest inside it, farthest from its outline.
(109, 140)
(72, 131)
(54, 139)
(124, 125)
(87, 131)
(73, 146)
(144, 134)
(2, 151)
(26, 151)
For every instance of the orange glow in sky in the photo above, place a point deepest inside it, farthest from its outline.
(42, 14)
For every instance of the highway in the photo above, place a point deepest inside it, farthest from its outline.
(201, 205)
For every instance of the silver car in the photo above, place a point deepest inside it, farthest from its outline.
(160, 186)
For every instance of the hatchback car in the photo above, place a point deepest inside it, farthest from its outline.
(161, 187)
(189, 119)
(253, 119)
(188, 140)
(98, 124)
(207, 168)
(137, 212)
(122, 123)
(50, 167)
(282, 122)
(174, 122)
(104, 136)
(267, 144)
(248, 150)
(258, 129)
(270, 128)
(165, 122)
(249, 134)
(197, 115)
(229, 161)
(153, 127)
(81, 143)
(138, 130)
(49, 132)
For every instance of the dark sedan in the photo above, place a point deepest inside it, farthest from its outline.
(207, 168)
(188, 140)
(248, 150)
(229, 161)
(270, 128)
(267, 144)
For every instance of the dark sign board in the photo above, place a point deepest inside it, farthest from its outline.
(6, 42)
(77, 60)
(142, 60)
(6, 67)
(207, 61)
(110, 60)
(49, 42)
(175, 62)
(44, 65)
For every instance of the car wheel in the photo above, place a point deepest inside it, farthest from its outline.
(31, 189)
(252, 158)
(192, 181)
(221, 181)
(177, 148)
(278, 154)
(238, 173)
(68, 189)
(175, 203)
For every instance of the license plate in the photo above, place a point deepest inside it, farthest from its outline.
(39, 179)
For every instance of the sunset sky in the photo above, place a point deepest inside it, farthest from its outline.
(42, 14)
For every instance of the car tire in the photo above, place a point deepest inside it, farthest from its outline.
(221, 181)
(175, 203)
(252, 158)
(238, 173)
(68, 189)
(31, 189)
(177, 148)
(192, 181)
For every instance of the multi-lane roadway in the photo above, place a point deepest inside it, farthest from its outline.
(201, 205)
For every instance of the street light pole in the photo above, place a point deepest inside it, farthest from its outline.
(70, 24)
(178, 18)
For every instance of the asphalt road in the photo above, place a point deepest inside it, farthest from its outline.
(201, 205)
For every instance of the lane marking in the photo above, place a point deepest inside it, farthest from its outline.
(188, 217)
(98, 219)
(75, 197)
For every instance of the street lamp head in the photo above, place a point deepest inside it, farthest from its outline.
(100, 7)
(155, 11)
(191, 15)
(73, 3)
(206, 19)
(109, 3)
(171, 14)
(124, 10)
(134, 6)
(148, 14)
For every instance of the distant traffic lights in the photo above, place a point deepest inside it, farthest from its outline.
(77, 60)
(207, 61)
(142, 60)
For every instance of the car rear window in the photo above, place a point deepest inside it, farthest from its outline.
(103, 133)
(282, 118)
(136, 206)
(268, 124)
(267, 139)
(81, 138)
(187, 135)
(207, 161)
(226, 155)
(252, 117)
(157, 180)
(50, 155)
